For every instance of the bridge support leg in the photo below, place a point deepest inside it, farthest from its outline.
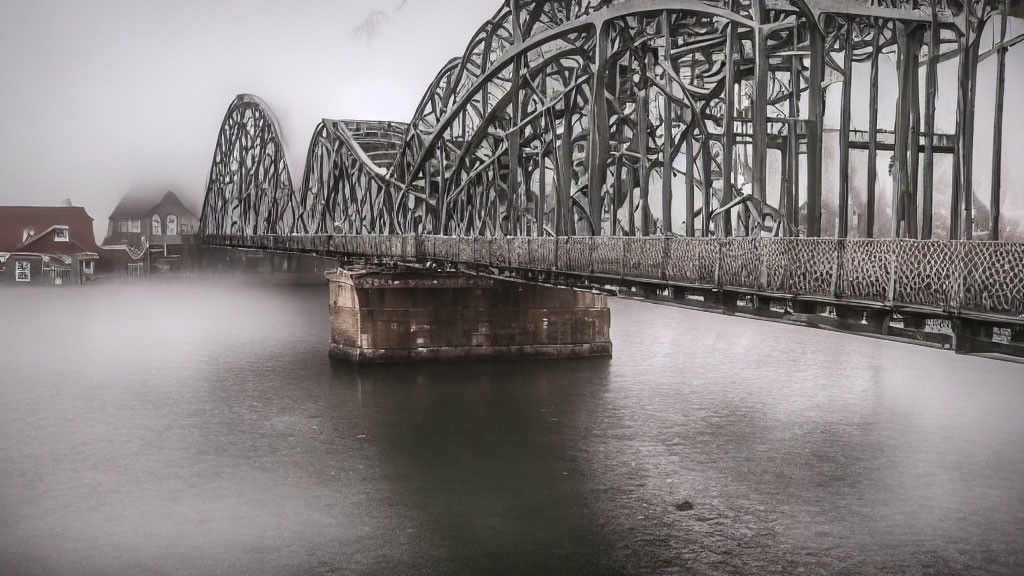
(380, 317)
(972, 337)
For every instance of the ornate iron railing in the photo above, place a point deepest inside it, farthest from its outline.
(947, 276)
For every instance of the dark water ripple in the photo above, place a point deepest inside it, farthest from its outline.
(201, 429)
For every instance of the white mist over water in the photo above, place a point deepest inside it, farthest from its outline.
(199, 427)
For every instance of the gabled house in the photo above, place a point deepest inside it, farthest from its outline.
(160, 223)
(162, 220)
(47, 245)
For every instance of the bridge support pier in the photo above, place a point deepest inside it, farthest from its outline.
(381, 317)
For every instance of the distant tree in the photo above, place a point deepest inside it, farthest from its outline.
(370, 29)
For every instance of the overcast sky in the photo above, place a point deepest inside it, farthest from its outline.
(105, 96)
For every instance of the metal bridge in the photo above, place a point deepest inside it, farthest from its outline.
(670, 143)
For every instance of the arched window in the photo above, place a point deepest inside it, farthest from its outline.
(156, 225)
(172, 225)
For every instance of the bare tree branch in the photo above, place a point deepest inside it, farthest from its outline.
(370, 29)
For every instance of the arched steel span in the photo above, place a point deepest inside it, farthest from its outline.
(345, 183)
(249, 190)
(630, 117)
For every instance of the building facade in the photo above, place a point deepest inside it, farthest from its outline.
(160, 224)
(52, 246)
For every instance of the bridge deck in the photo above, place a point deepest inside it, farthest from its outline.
(982, 280)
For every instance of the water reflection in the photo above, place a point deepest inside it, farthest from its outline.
(480, 450)
(201, 428)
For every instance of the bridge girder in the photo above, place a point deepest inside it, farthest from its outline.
(612, 117)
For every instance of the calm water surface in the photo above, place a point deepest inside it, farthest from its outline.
(202, 429)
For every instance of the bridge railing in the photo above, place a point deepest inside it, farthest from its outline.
(952, 276)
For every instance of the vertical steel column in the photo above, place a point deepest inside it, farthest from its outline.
(931, 90)
(997, 129)
(427, 186)
(913, 230)
(759, 131)
(728, 136)
(630, 199)
(691, 131)
(461, 200)
(901, 193)
(784, 196)
(642, 127)
(542, 187)
(968, 134)
(597, 164)
(708, 181)
(484, 92)
(442, 192)
(876, 34)
(844, 136)
(514, 142)
(566, 221)
(815, 119)
(690, 228)
(914, 144)
(514, 152)
(957, 197)
(793, 202)
(617, 198)
(667, 155)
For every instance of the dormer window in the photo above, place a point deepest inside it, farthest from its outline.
(129, 225)
(156, 226)
(60, 234)
(26, 234)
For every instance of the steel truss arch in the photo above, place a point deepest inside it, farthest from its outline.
(249, 190)
(620, 117)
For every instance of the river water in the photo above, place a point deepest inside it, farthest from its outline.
(200, 428)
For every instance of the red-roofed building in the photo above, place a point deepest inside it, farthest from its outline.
(20, 223)
(47, 245)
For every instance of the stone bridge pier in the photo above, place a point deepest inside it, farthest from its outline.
(382, 316)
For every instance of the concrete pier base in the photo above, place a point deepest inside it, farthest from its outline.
(381, 317)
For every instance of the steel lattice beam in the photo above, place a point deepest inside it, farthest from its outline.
(586, 117)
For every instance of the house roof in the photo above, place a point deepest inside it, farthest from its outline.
(137, 204)
(15, 219)
(43, 243)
